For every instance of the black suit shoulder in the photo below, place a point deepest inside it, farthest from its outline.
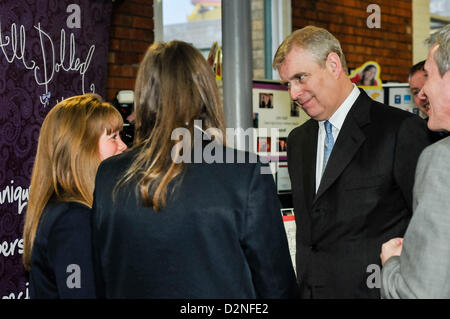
(237, 161)
(309, 126)
(56, 212)
(392, 114)
(116, 165)
(408, 126)
(366, 110)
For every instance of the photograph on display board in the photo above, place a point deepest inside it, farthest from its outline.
(367, 75)
(295, 109)
(255, 120)
(265, 100)
(281, 144)
(283, 116)
(282, 178)
(264, 144)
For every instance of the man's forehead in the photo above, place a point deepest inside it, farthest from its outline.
(417, 76)
(300, 58)
(430, 57)
(426, 66)
(298, 51)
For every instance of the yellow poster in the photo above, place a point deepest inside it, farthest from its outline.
(367, 76)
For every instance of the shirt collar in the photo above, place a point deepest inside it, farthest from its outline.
(338, 118)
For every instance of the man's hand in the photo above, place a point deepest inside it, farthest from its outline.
(391, 248)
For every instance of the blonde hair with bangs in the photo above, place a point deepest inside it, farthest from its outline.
(67, 157)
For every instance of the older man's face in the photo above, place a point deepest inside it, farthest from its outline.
(437, 90)
(309, 84)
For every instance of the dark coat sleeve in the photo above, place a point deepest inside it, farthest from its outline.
(70, 254)
(265, 243)
(95, 225)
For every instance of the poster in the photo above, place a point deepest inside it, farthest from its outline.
(291, 228)
(274, 117)
(368, 77)
(283, 180)
(49, 50)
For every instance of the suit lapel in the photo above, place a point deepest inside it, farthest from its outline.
(350, 139)
(309, 162)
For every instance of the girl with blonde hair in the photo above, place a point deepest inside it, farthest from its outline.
(76, 135)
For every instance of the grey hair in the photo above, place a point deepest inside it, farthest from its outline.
(318, 41)
(442, 55)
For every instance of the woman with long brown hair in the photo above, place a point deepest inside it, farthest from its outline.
(76, 135)
(169, 222)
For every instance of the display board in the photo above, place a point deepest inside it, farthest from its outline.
(275, 115)
(49, 50)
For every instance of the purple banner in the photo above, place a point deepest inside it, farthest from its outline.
(49, 50)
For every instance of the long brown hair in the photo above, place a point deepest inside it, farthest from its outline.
(175, 86)
(67, 157)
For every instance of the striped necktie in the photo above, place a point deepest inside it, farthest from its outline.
(328, 145)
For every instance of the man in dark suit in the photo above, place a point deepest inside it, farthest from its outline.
(351, 167)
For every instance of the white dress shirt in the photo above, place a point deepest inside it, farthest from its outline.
(336, 120)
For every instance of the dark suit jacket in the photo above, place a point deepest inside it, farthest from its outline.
(63, 238)
(220, 236)
(435, 135)
(364, 198)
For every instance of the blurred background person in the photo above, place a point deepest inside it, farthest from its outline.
(76, 135)
(416, 80)
(164, 228)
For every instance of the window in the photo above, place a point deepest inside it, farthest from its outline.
(195, 21)
(439, 14)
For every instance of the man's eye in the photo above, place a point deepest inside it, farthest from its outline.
(301, 77)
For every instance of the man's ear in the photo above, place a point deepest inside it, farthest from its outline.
(333, 64)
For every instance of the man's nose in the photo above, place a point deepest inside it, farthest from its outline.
(295, 90)
(422, 95)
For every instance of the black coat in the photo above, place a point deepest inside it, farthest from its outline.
(364, 198)
(220, 236)
(61, 260)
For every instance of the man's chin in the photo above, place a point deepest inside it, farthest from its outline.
(433, 126)
(318, 117)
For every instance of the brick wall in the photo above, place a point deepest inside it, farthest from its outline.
(132, 32)
(130, 35)
(390, 46)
